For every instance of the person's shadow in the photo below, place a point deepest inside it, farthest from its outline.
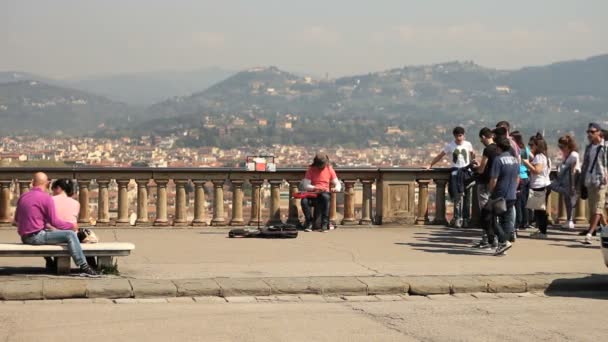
(448, 241)
(593, 286)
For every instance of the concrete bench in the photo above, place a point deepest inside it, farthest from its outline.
(103, 251)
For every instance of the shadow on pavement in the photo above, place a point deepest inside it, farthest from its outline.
(448, 241)
(7, 271)
(594, 286)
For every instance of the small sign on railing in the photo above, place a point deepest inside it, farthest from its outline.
(261, 163)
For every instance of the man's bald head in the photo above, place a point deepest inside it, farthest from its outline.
(40, 179)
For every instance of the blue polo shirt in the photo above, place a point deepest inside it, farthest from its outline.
(506, 170)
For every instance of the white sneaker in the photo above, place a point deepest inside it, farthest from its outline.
(588, 239)
(502, 248)
(568, 225)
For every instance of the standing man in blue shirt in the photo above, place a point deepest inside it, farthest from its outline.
(504, 179)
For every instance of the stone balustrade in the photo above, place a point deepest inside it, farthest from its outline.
(370, 196)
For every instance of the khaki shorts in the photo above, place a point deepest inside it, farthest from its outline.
(597, 200)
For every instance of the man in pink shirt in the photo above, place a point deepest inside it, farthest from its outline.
(35, 210)
(320, 178)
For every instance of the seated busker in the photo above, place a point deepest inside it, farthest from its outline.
(35, 211)
(320, 179)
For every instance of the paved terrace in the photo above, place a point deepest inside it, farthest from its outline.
(169, 253)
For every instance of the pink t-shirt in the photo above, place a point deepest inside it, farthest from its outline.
(67, 208)
(321, 177)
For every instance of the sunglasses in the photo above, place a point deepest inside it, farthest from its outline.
(591, 131)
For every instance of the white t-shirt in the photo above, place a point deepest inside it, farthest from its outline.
(540, 180)
(460, 155)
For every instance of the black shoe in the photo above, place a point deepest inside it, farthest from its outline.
(87, 271)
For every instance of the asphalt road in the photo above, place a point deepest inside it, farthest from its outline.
(442, 318)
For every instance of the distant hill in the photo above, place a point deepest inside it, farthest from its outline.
(150, 87)
(38, 108)
(358, 109)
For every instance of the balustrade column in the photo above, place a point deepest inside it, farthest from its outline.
(122, 218)
(161, 203)
(237, 203)
(440, 202)
(366, 208)
(474, 220)
(83, 198)
(180, 202)
(24, 186)
(581, 212)
(103, 203)
(142, 202)
(333, 208)
(5, 198)
(256, 188)
(423, 201)
(552, 207)
(349, 203)
(199, 203)
(293, 215)
(275, 203)
(218, 203)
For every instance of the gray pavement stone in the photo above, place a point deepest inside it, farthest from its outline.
(151, 300)
(333, 299)
(102, 301)
(234, 287)
(180, 300)
(77, 301)
(346, 286)
(389, 298)
(463, 296)
(209, 300)
(293, 285)
(502, 284)
(265, 299)
(310, 298)
(356, 299)
(21, 290)
(416, 298)
(125, 301)
(428, 285)
(466, 284)
(509, 295)
(64, 288)
(241, 300)
(288, 298)
(109, 288)
(149, 288)
(485, 295)
(197, 287)
(443, 297)
(13, 302)
(384, 285)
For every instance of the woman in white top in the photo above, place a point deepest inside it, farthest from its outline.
(565, 184)
(539, 168)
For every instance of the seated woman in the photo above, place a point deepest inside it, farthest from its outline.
(67, 209)
(319, 178)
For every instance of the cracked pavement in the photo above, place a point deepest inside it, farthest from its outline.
(436, 318)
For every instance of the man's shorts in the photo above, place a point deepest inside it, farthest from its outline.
(597, 199)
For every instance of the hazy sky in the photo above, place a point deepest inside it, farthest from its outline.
(64, 38)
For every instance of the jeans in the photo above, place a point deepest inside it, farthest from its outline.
(569, 198)
(321, 204)
(506, 223)
(521, 212)
(57, 237)
(483, 195)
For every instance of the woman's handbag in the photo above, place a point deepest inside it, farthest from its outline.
(537, 200)
(87, 236)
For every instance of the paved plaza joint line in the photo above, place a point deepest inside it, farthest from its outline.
(120, 288)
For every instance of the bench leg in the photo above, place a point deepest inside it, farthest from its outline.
(63, 265)
(105, 261)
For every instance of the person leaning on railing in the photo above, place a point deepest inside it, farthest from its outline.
(321, 179)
